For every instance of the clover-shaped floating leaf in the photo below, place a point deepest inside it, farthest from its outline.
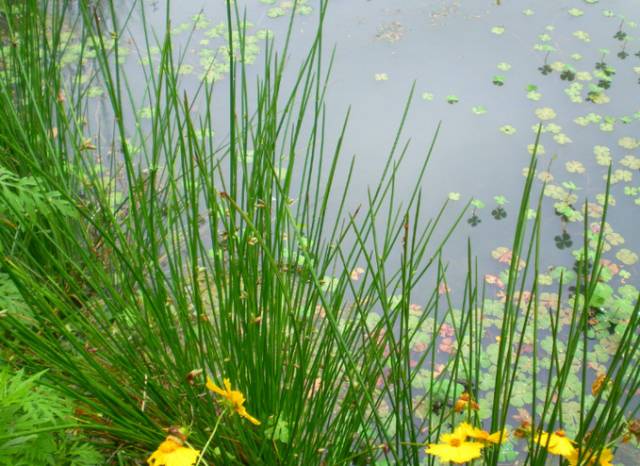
(628, 142)
(479, 110)
(563, 240)
(452, 99)
(381, 77)
(528, 12)
(474, 220)
(276, 12)
(626, 256)
(508, 129)
(454, 196)
(570, 185)
(498, 80)
(498, 30)
(545, 113)
(534, 95)
(539, 150)
(562, 139)
(503, 66)
(600, 199)
(582, 35)
(573, 166)
(631, 162)
(428, 96)
(545, 69)
(499, 213)
(478, 204)
(575, 12)
(500, 200)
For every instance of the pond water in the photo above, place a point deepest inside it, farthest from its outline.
(490, 74)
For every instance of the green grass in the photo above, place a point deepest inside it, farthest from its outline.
(136, 275)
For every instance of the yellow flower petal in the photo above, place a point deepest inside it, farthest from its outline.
(464, 452)
(214, 388)
(172, 453)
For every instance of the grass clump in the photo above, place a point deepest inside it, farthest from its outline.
(145, 276)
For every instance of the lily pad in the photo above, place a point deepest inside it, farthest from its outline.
(498, 30)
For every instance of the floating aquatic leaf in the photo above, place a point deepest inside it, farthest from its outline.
(631, 162)
(500, 200)
(145, 113)
(545, 176)
(533, 95)
(562, 139)
(603, 155)
(498, 30)
(619, 175)
(627, 256)
(185, 69)
(544, 37)
(498, 80)
(583, 76)
(478, 204)
(628, 142)
(275, 12)
(545, 113)
(600, 198)
(381, 77)
(454, 196)
(576, 56)
(528, 12)
(508, 129)
(582, 35)
(503, 66)
(574, 166)
(575, 12)
(452, 99)
(539, 150)
(428, 96)
(570, 185)
(479, 110)
(95, 91)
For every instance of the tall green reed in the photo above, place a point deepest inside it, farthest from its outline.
(220, 256)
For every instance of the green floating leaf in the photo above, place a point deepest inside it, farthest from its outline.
(428, 96)
(545, 113)
(626, 256)
(628, 142)
(575, 12)
(452, 99)
(503, 66)
(381, 77)
(582, 35)
(498, 30)
(479, 110)
(508, 129)
(528, 12)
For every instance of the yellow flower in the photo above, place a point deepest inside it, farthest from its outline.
(454, 447)
(605, 458)
(558, 443)
(485, 436)
(172, 452)
(234, 397)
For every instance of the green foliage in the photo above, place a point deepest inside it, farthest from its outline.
(33, 419)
